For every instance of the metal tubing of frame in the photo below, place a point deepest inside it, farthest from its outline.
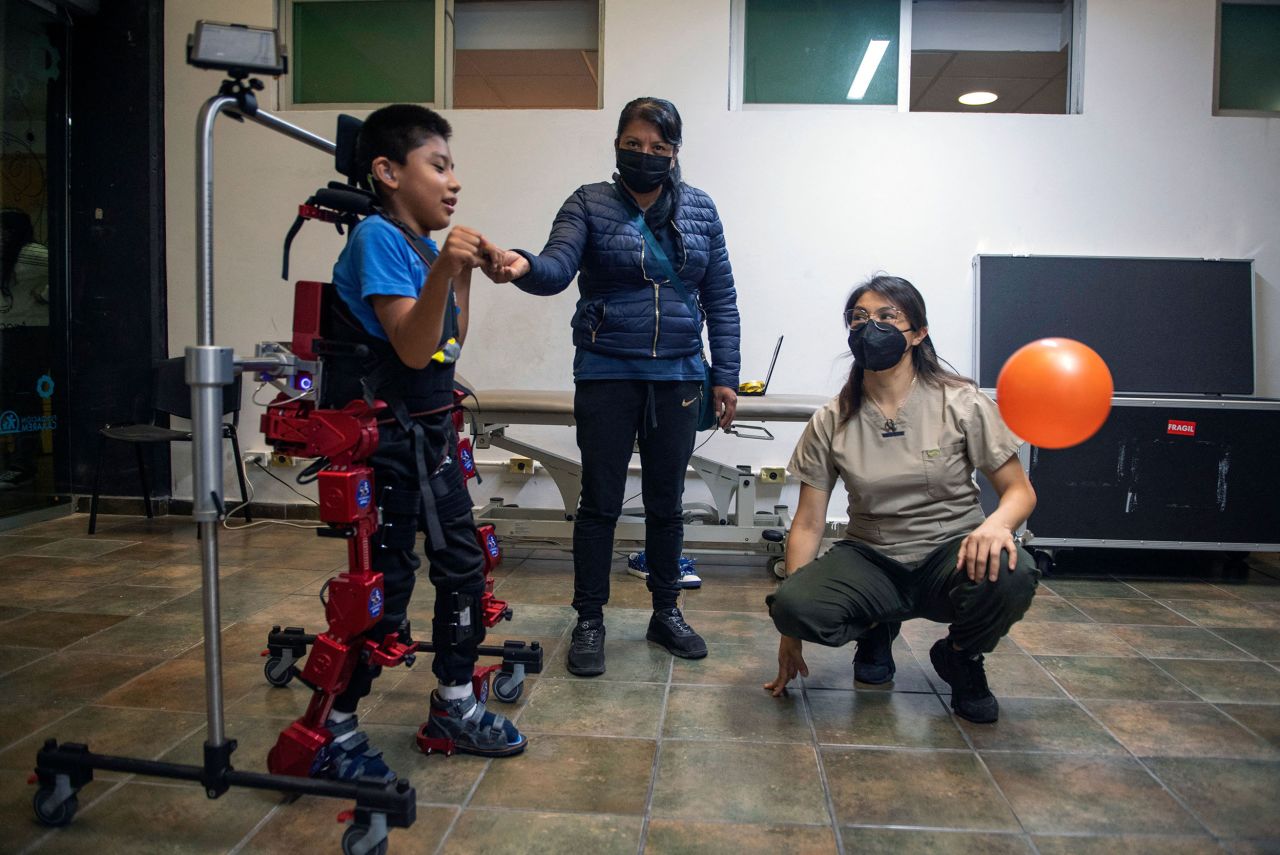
(204, 215)
(275, 123)
(208, 370)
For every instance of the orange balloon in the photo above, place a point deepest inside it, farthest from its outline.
(1055, 392)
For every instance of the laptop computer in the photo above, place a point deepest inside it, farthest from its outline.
(755, 387)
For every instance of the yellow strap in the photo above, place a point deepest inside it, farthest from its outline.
(448, 353)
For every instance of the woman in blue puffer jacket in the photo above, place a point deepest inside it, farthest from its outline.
(639, 368)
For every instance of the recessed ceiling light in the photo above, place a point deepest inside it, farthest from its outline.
(977, 99)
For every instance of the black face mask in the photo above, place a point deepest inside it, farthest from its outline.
(643, 172)
(877, 346)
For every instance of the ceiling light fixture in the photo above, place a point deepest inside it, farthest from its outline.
(977, 99)
(867, 69)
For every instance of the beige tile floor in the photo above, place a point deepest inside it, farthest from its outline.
(1137, 715)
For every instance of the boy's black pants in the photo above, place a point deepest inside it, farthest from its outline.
(457, 568)
(610, 416)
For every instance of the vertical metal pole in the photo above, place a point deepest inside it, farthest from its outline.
(208, 369)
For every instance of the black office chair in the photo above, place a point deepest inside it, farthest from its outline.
(170, 397)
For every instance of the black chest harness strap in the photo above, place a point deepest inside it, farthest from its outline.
(386, 378)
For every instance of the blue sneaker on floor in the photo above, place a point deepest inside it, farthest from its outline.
(688, 578)
(353, 758)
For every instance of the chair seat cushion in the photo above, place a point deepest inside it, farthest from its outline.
(145, 433)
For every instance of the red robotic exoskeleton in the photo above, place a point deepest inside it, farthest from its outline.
(343, 440)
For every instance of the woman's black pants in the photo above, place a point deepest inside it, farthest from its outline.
(612, 415)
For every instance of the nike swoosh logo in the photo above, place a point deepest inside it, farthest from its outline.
(688, 402)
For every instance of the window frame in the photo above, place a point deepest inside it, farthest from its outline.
(284, 84)
(1217, 64)
(444, 63)
(1075, 68)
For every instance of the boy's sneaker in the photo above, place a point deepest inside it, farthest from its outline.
(667, 628)
(586, 649)
(873, 654)
(473, 729)
(688, 577)
(970, 697)
(354, 759)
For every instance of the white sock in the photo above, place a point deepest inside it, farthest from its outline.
(454, 693)
(336, 717)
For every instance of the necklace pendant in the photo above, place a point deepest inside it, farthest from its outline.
(890, 429)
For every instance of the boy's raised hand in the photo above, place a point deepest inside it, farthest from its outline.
(462, 250)
(504, 265)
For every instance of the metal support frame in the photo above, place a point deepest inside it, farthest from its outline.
(61, 769)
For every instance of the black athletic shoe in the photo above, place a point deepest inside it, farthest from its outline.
(873, 655)
(970, 697)
(586, 650)
(667, 628)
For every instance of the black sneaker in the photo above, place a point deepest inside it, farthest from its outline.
(667, 628)
(873, 655)
(586, 649)
(970, 697)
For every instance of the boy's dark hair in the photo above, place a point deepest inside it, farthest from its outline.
(393, 132)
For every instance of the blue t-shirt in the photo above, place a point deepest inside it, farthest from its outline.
(378, 260)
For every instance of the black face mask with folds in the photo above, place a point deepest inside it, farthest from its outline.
(877, 346)
(643, 172)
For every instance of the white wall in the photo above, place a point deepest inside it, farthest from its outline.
(813, 200)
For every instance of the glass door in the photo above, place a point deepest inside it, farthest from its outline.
(34, 471)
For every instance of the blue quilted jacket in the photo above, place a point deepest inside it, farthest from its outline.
(626, 307)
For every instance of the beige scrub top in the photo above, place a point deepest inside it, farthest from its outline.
(908, 493)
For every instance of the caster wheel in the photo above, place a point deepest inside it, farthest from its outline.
(352, 836)
(1044, 562)
(277, 673)
(506, 689)
(55, 817)
(778, 567)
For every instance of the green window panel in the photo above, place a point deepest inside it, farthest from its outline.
(809, 51)
(1249, 58)
(363, 51)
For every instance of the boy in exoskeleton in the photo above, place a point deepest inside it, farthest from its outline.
(407, 302)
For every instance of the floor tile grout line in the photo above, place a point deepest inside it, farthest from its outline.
(466, 802)
(462, 807)
(79, 706)
(253, 832)
(647, 814)
(1150, 772)
(823, 780)
(1218, 706)
(1210, 630)
(973, 750)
